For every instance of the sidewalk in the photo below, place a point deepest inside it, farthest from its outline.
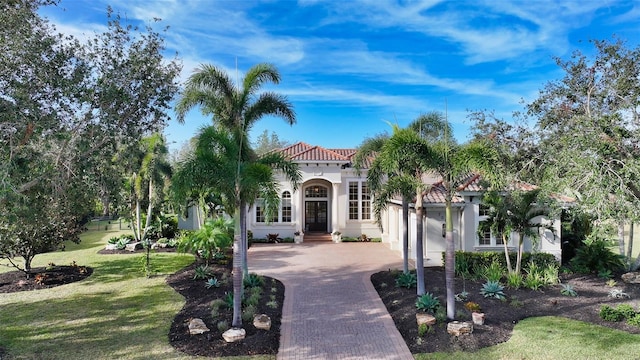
(331, 310)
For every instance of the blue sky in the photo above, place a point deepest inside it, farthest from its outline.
(349, 67)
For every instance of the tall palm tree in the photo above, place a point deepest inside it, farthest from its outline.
(213, 166)
(514, 212)
(382, 189)
(235, 107)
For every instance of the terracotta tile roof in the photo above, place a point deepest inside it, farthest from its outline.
(437, 195)
(472, 184)
(305, 152)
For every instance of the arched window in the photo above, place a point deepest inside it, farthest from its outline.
(286, 206)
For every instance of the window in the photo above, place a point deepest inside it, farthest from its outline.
(353, 200)
(359, 201)
(260, 211)
(316, 192)
(485, 238)
(366, 202)
(484, 210)
(286, 206)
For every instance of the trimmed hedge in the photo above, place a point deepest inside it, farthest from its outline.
(468, 262)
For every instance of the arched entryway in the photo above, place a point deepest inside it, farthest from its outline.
(317, 216)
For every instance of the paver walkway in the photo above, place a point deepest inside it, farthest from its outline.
(331, 310)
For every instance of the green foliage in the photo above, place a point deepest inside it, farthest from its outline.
(122, 243)
(253, 280)
(428, 303)
(595, 257)
(215, 236)
(273, 304)
(424, 329)
(493, 289)
(514, 280)
(476, 262)
(472, 306)
(535, 278)
(551, 274)
(406, 280)
(568, 290)
(605, 274)
(228, 300)
(626, 310)
(212, 283)
(249, 312)
(634, 321)
(113, 240)
(222, 325)
(202, 272)
(608, 313)
(493, 272)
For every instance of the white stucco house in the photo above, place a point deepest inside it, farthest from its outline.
(332, 196)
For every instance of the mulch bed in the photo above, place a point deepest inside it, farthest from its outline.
(501, 316)
(198, 305)
(139, 251)
(42, 278)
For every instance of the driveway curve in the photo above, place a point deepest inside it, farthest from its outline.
(331, 310)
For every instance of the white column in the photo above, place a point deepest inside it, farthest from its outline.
(298, 213)
(334, 207)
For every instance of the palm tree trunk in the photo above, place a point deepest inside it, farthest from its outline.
(405, 235)
(621, 242)
(506, 253)
(630, 246)
(237, 270)
(520, 250)
(245, 242)
(419, 246)
(450, 263)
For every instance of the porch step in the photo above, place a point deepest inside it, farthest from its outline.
(317, 237)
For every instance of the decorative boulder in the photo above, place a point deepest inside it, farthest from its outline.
(478, 318)
(427, 319)
(631, 277)
(134, 246)
(262, 322)
(197, 326)
(234, 334)
(111, 247)
(457, 328)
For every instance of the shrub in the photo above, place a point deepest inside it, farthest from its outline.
(213, 237)
(428, 303)
(272, 304)
(493, 272)
(461, 296)
(223, 326)
(253, 280)
(514, 280)
(248, 313)
(608, 313)
(228, 300)
(113, 240)
(212, 282)
(423, 329)
(474, 261)
(252, 300)
(595, 257)
(472, 306)
(122, 243)
(568, 290)
(493, 289)
(534, 279)
(201, 272)
(634, 321)
(406, 280)
(550, 274)
(626, 310)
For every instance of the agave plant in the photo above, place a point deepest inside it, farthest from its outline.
(493, 289)
(428, 303)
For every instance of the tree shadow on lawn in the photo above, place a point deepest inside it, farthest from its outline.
(97, 323)
(115, 268)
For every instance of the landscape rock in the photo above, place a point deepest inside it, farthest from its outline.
(262, 322)
(134, 246)
(457, 328)
(197, 326)
(234, 334)
(427, 319)
(631, 277)
(478, 318)
(111, 247)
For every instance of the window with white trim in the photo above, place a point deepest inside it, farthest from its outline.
(285, 205)
(359, 201)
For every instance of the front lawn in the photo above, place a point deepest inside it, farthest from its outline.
(116, 313)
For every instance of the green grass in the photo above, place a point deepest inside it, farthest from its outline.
(555, 338)
(116, 313)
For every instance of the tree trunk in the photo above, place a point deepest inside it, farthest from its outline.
(520, 250)
(237, 270)
(506, 253)
(621, 238)
(405, 236)
(419, 246)
(630, 245)
(245, 242)
(450, 263)
(143, 238)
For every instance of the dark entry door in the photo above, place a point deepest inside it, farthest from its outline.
(315, 216)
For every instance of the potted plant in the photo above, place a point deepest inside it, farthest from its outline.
(336, 236)
(476, 313)
(298, 236)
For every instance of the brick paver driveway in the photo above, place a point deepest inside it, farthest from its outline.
(331, 310)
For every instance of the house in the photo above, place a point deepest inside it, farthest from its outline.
(332, 196)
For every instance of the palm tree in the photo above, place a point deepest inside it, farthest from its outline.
(235, 107)
(212, 168)
(514, 212)
(382, 190)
